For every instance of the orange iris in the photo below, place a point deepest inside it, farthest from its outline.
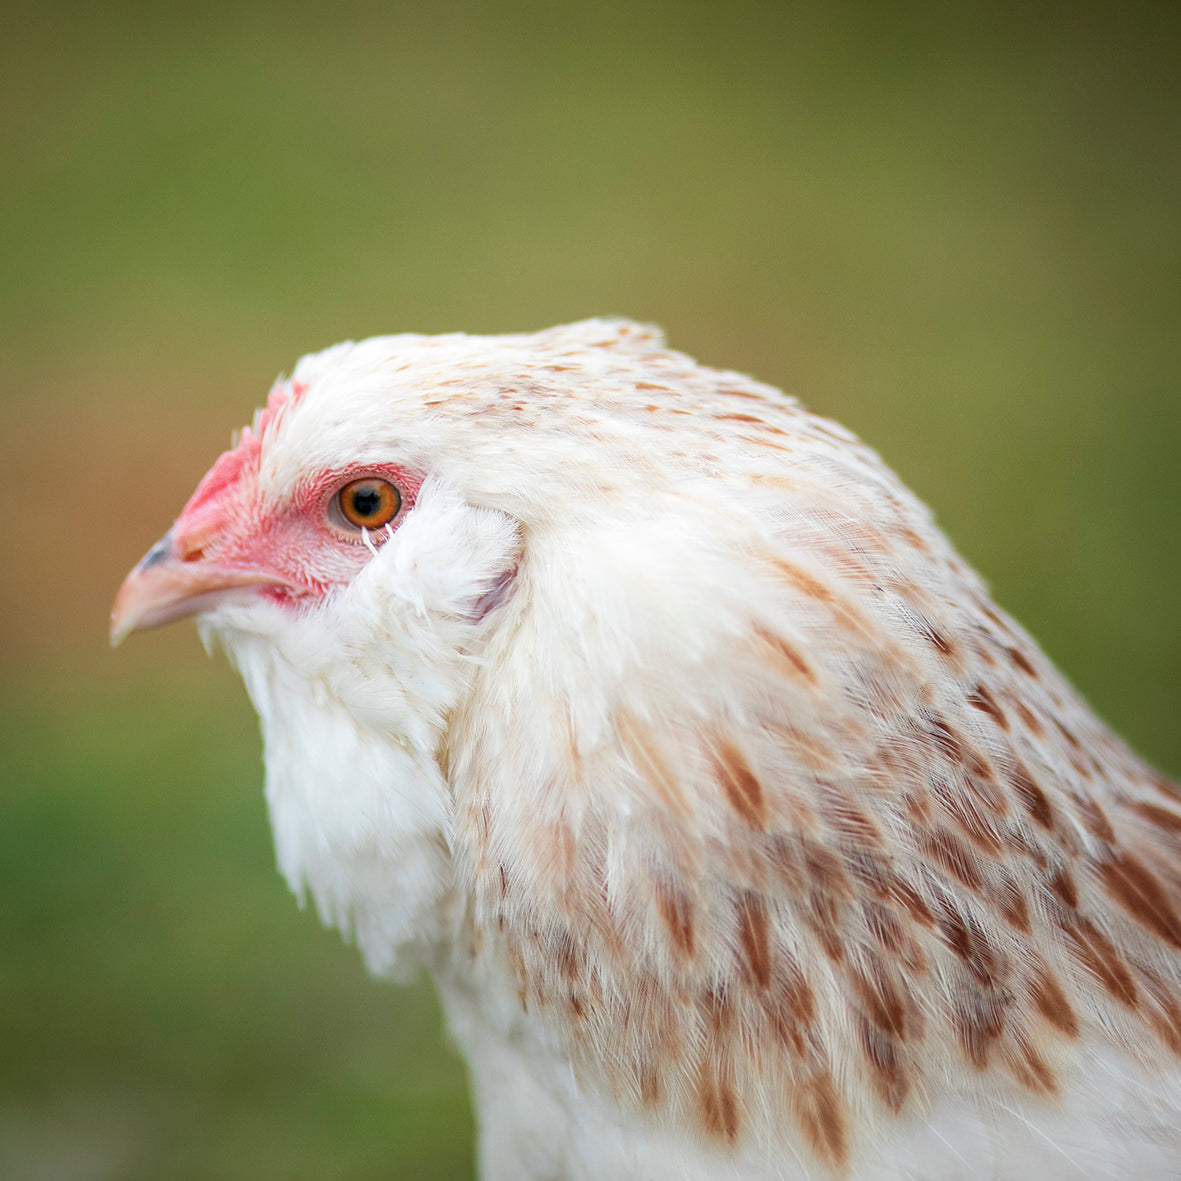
(369, 503)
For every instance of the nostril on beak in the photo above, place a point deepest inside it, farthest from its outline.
(160, 552)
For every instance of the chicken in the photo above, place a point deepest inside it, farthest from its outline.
(743, 835)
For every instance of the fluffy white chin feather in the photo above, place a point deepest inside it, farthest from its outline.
(353, 695)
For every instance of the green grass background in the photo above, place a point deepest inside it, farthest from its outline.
(954, 227)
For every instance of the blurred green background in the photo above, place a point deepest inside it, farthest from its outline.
(954, 227)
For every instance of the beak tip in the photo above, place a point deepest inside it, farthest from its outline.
(161, 589)
(136, 597)
(125, 616)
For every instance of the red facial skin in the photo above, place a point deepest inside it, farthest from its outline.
(231, 543)
(296, 543)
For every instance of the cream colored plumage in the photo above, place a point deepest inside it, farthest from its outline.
(742, 834)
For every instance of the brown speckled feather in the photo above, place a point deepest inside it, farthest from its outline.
(869, 840)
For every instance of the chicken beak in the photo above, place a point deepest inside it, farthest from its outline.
(165, 586)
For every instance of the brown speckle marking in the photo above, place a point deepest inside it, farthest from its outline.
(787, 657)
(918, 808)
(979, 1021)
(912, 539)
(982, 781)
(903, 892)
(947, 849)
(752, 932)
(981, 699)
(893, 938)
(1134, 886)
(1013, 907)
(790, 1006)
(1029, 1068)
(825, 871)
(803, 582)
(719, 1106)
(677, 914)
(889, 1078)
(959, 807)
(783, 858)
(1098, 955)
(1032, 798)
(937, 639)
(734, 392)
(1021, 661)
(1051, 1002)
(741, 786)
(1069, 735)
(966, 938)
(649, 1081)
(649, 763)
(1165, 1010)
(884, 1003)
(946, 741)
(987, 609)
(885, 928)
(751, 418)
(1164, 818)
(1094, 818)
(1164, 786)
(852, 824)
(567, 957)
(1030, 720)
(824, 915)
(820, 1115)
(1063, 887)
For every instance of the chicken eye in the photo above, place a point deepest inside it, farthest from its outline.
(369, 503)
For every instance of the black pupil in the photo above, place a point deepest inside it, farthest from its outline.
(366, 502)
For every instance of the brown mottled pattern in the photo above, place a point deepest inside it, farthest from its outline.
(1098, 954)
(1064, 889)
(1051, 1001)
(1133, 885)
(979, 1021)
(980, 698)
(822, 1118)
(675, 909)
(648, 760)
(890, 1078)
(1164, 1011)
(789, 1005)
(1013, 906)
(740, 785)
(719, 1106)
(752, 929)
(1032, 798)
(951, 854)
(1164, 818)
(1022, 662)
(790, 659)
(1030, 1069)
